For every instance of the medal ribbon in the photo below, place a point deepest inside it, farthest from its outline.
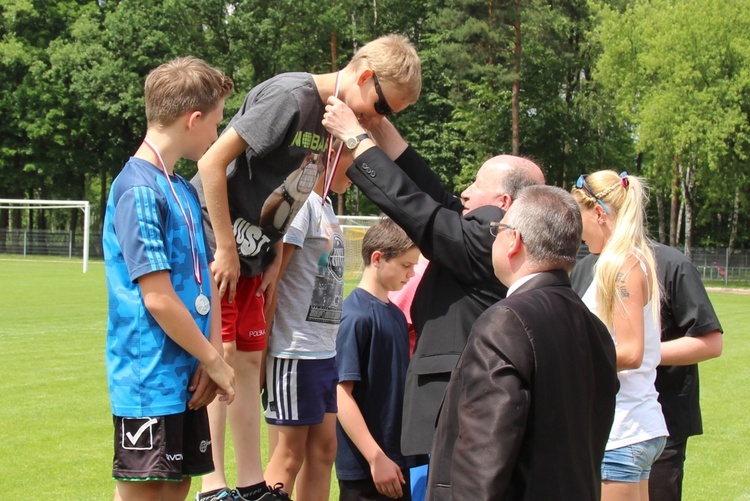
(188, 222)
(329, 151)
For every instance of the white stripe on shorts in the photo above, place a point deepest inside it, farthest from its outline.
(285, 384)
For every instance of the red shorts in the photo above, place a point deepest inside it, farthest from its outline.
(243, 321)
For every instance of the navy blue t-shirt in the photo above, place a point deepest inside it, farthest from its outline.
(372, 349)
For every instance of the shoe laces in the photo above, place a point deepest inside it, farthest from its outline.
(277, 491)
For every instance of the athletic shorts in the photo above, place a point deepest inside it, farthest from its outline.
(300, 392)
(243, 321)
(632, 463)
(163, 447)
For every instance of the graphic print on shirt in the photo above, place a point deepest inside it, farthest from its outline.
(326, 301)
(279, 209)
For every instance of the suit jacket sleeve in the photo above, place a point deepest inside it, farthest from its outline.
(493, 406)
(460, 243)
(418, 171)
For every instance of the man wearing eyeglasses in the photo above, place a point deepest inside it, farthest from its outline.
(453, 233)
(528, 409)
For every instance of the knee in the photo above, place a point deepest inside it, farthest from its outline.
(230, 350)
(323, 452)
(248, 359)
(290, 458)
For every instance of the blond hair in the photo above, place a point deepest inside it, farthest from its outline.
(183, 85)
(393, 58)
(625, 198)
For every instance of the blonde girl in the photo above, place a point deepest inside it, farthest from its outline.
(625, 296)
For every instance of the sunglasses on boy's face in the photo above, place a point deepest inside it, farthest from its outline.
(381, 105)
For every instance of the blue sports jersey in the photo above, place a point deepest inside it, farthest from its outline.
(144, 232)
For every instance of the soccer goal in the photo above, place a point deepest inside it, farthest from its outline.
(7, 203)
(354, 228)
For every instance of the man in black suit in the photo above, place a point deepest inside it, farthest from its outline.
(458, 284)
(529, 407)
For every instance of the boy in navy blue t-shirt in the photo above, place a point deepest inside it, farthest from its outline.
(163, 352)
(372, 354)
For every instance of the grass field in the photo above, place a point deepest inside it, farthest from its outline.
(55, 421)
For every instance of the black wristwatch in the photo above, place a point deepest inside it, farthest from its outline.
(353, 142)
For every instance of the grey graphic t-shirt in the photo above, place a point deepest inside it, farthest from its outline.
(311, 291)
(280, 120)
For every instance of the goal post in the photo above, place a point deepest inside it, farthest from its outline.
(84, 205)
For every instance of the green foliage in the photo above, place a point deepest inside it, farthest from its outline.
(678, 71)
(624, 84)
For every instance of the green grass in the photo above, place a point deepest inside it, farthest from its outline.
(55, 421)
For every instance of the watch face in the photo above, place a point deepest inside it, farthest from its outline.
(352, 142)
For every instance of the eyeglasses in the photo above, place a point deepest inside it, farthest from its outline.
(381, 105)
(581, 185)
(496, 227)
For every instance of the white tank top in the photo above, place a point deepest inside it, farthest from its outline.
(638, 415)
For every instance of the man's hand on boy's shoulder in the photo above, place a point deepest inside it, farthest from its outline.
(203, 389)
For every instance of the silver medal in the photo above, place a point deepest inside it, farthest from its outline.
(202, 305)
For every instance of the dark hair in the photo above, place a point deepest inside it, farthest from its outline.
(387, 237)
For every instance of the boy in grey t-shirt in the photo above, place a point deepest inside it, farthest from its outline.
(251, 183)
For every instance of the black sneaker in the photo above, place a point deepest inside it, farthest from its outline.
(223, 495)
(275, 494)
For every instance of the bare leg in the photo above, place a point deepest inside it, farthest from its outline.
(314, 480)
(643, 486)
(622, 491)
(288, 455)
(217, 420)
(244, 417)
(152, 490)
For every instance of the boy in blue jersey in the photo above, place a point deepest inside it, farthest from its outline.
(372, 355)
(163, 353)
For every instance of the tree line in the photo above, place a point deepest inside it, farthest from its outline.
(660, 88)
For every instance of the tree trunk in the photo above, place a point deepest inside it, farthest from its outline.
(689, 207)
(515, 112)
(735, 220)
(102, 197)
(674, 218)
(660, 209)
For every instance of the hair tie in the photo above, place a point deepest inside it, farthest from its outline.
(624, 179)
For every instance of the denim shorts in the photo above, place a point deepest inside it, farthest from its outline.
(632, 463)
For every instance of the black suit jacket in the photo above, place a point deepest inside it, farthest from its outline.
(530, 405)
(457, 286)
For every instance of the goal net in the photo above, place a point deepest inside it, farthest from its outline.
(354, 228)
(8, 203)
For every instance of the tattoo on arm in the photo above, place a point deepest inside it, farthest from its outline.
(621, 285)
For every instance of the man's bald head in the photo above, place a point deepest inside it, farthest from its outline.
(499, 181)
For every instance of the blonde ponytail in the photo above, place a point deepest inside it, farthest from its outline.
(625, 198)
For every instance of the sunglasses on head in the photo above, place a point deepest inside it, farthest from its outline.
(581, 185)
(381, 105)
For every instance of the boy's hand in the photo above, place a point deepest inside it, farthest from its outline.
(223, 375)
(387, 476)
(340, 120)
(226, 271)
(202, 388)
